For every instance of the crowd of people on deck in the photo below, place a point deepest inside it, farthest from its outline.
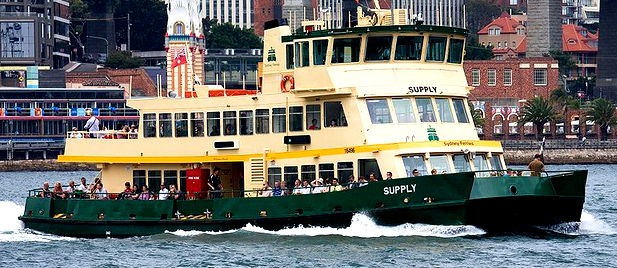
(96, 129)
(95, 190)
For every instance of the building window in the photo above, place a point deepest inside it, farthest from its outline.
(497, 31)
(262, 123)
(513, 2)
(491, 31)
(492, 80)
(214, 123)
(507, 77)
(539, 77)
(179, 28)
(499, 45)
(475, 77)
(520, 31)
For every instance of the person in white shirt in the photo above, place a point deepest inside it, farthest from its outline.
(266, 191)
(163, 193)
(100, 192)
(306, 188)
(92, 125)
(83, 186)
(75, 134)
(318, 186)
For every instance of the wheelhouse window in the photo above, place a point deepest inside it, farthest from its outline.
(412, 162)
(445, 113)
(197, 124)
(455, 54)
(461, 163)
(461, 111)
(165, 125)
(440, 163)
(279, 123)
(302, 54)
(346, 50)
(379, 111)
(496, 162)
(403, 110)
(307, 172)
(182, 123)
(409, 48)
(149, 126)
(262, 122)
(229, 120)
(246, 122)
(436, 49)
(344, 170)
(378, 48)
(480, 163)
(426, 110)
(313, 117)
(274, 175)
(214, 123)
(326, 171)
(334, 115)
(296, 114)
(320, 48)
(289, 56)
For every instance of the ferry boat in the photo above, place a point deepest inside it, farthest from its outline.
(383, 97)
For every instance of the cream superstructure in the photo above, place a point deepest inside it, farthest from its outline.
(384, 99)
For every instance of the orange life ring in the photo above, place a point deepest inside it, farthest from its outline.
(284, 83)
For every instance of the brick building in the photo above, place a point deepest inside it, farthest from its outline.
(266, 10)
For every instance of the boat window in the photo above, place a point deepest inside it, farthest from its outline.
(326, 171)
(279, 123)
(320, 48)
(461, 112)
(440, 163)
(246, 122)
(154, 180)
(496, 162)
(229, 120)
(344, 170)
(149, 125)
(289, 57)
(461, 163)
(182, 124)
(409, 48)
(412, 162)
(165, 125)
(139, 178)
(297, 55)
(379, 111)
(455, 55)
(274, 175)
(313, 117)
(302, 54)
(197, 124)
(262, 123)
(170, 177)
(290, 176)
(214, 123)
(334, 115)
(307, 172)
(436, 49)
(403, 110)
(368, 166)
(444, 110)
(183, 181)
(296, 114)
(346, 50)
(480, 164)
(425, 110)
(378, 48)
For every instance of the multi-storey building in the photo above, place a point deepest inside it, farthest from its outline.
(580, 12)
(266, 10)
(606, 83)
(34, 33)
(237, 12)
(583, 47)
(435, 12)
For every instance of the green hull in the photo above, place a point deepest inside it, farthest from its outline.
(456, 199)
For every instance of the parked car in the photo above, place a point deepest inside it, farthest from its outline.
(87, 58)
(101, 58)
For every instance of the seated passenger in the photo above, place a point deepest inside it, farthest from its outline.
(318, 186)
(388, 175)
(75, 134)
(333, 123)
(127, 193)
(70, 190)
(277, 191)
(100, 192)
(133, 132)
(313, 125)
(45, 192)
(145, 193)
(135, 192)
(306, 187)
(297, 187)
(58, 193)
(433, 172)
(163, 192)
(83, 187)
(362, 182)
(352, 182)
(415, 173)
(335, 187)
(372, 177)
(266, 191)
(175, 193)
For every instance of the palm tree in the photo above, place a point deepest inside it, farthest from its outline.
(602, 112)
(478, 121)
(565, 102)
(538, 111)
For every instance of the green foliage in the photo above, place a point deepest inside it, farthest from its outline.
(79, 9)
(566, 63)
(538, 111)
(476, 115)
(148, 24)
(228, 36)
(602, 112)
(480, 13)
(122, 60)
(583, 84)
(479, 52)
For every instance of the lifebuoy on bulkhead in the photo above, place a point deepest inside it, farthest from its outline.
(287, 83)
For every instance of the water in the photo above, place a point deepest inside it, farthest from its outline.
(363, 244)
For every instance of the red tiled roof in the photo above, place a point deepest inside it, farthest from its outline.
(505, 22)
(520, 48)
(573, 39)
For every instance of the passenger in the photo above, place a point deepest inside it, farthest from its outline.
(335, 187)
(362, 182)
(70, 190)
(175, 193)
(145, 193)
(313, 125)
(136, 192)
(306, 187)
(333, 123)
(75, 134)
(215, 183)
(318, 186)
(327, 184)
(537, 165)
(266, 191)
(229, 130)
(45, 192)
(444, 172)
(352, 182)
(415, 173)
(372, 177)
(100, 192)
(133, 132)
(163, 192)
(433, 172)
(388, 175)
(83, 187)
(297, 187)
(277, 191)
(92, 125)
(127, 193)
(57, 192)
(215, 131)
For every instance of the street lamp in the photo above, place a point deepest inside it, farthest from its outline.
(565, 83)
(104, 39)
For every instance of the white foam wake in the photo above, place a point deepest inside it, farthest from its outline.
(588, 225)
(12, 229)
(195, 233)
(361, 226)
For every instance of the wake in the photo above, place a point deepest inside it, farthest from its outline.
(12, 229)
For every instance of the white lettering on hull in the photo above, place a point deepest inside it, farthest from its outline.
(399, 189)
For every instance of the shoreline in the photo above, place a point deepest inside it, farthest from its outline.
(44, 165)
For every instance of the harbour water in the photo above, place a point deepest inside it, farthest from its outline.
(363, 244)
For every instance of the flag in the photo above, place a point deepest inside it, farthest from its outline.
(358, 1)
(179, 59)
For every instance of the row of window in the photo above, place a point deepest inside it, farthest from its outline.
(246, 122)
(505, 44)
(406, 110)
(154, 178)
(376, 48)
(445, 163)
(540, 77)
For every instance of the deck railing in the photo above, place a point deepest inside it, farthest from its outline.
(106, 134)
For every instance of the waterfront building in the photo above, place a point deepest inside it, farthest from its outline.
(266, 10)
(606, 83)
(435, 12)
(580, 12)
(237, 12)
(34, 33)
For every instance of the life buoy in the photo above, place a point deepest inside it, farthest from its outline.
(284, 81)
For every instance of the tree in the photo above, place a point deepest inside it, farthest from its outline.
(566, 63)
(122, 60)
(602, 112)
(148, 24)
(538, 111)
(480, 13)
(79, 9)
(476, 115)
(479, 52)
(228, 36)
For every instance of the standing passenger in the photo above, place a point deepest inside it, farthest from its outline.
(215, 183)
(92, 125)
(536, 166)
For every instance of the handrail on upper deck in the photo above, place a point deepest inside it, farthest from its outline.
(103, 134)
